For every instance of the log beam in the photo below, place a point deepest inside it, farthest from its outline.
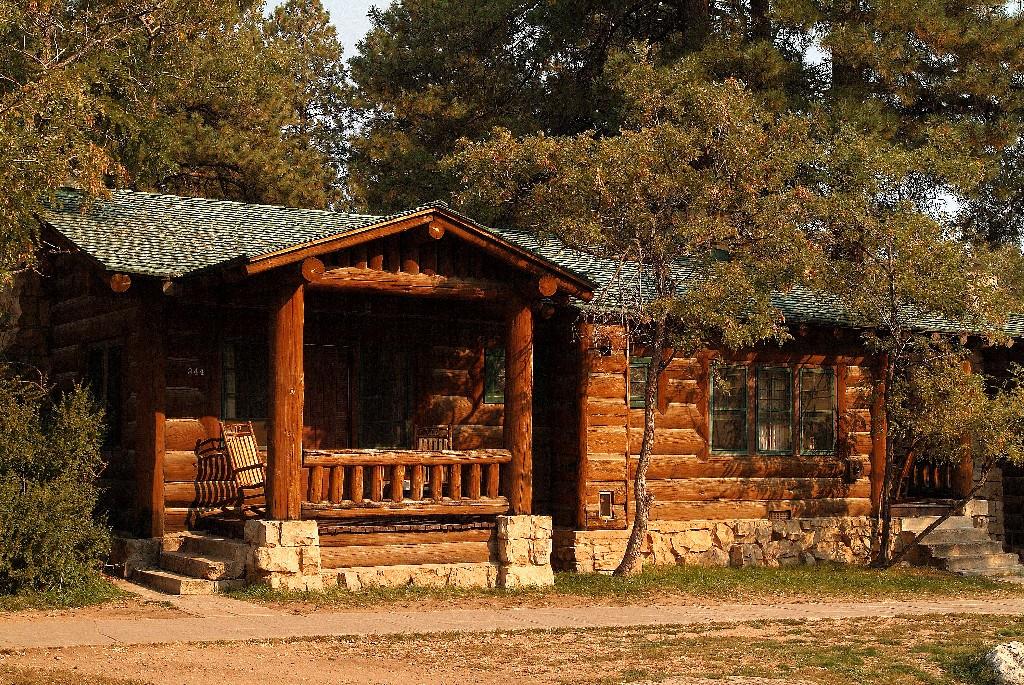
(518, 425)
(284, 454)
(119, 283)
(353, 279)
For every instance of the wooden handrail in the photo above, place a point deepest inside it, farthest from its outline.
(373, 457)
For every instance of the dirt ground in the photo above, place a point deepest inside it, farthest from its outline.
(936, 650)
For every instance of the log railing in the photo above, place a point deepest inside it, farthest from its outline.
(929, 479)
(357, 483)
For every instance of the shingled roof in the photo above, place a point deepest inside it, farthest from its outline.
(170, 236)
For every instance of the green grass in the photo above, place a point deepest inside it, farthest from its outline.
(823, 582)
(97, 590)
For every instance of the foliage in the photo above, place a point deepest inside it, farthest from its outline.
(49, 460)
(697, 198)
(432, 71)
(207, 98)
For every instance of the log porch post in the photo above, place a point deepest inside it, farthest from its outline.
(148, 360)
(284, 442)
(518, 424)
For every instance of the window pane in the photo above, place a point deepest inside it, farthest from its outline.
(817, 410)
(638, 369)
(494, 375)
(245, 367)
(729, 410)
(774, 410)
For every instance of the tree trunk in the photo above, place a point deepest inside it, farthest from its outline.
(642, 499)
(888, 491)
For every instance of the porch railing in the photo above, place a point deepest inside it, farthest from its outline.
(357, 483)
(927, 479)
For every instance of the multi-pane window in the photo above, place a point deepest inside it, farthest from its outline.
(639, 367)
(775, 428)
(244, 372)
(494, 375)
(774, 409)
(729, 410)
(817, 411)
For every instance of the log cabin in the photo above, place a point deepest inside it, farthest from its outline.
(418, 383)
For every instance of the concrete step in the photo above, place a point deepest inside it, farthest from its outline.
(177, 584)
(213, 546)
(982, 565)
(206, 568)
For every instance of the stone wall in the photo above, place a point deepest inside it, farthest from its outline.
(742, 542)
(524, 551)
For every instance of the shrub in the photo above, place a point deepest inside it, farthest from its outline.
(50, 457)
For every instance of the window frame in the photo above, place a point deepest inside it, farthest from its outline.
(834, 394)
(757, 410)
(713, 410)
(637, 362)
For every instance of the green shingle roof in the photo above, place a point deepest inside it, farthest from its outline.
(171, 236)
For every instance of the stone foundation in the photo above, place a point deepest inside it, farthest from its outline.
(741, 542)
(466, 575)
(284, 554)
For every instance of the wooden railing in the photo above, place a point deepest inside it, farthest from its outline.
(355, 483)
(927, 479)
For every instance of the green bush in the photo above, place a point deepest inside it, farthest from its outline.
(50, 539)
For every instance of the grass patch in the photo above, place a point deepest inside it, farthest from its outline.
(808, 583)
(97, 590)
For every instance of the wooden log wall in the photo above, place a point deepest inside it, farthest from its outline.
(79, 313)
(687, 480)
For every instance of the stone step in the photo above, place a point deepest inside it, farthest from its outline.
(206, 568)
(176, 584)
(948, 537)
(947, 550)
(983, 565)
(917, 524)
(213, 546)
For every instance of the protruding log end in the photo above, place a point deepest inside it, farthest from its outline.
(435, 229)
(119, 283)
(547, 285)
(312, 269)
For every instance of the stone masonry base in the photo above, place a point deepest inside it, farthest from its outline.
(286, 555)
(740, 542)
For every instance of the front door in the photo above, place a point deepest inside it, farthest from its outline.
(327, 413)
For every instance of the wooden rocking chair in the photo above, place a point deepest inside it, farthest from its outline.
(433, 438)
(247, 467)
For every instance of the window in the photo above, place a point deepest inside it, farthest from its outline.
(385, 404)
(817, 411)
(605, 500)
(494, 375)
(774, 409)
(244, 370)
(103, 371)
(639, 367)
(729, 410)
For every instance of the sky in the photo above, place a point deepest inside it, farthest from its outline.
(349, 16)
